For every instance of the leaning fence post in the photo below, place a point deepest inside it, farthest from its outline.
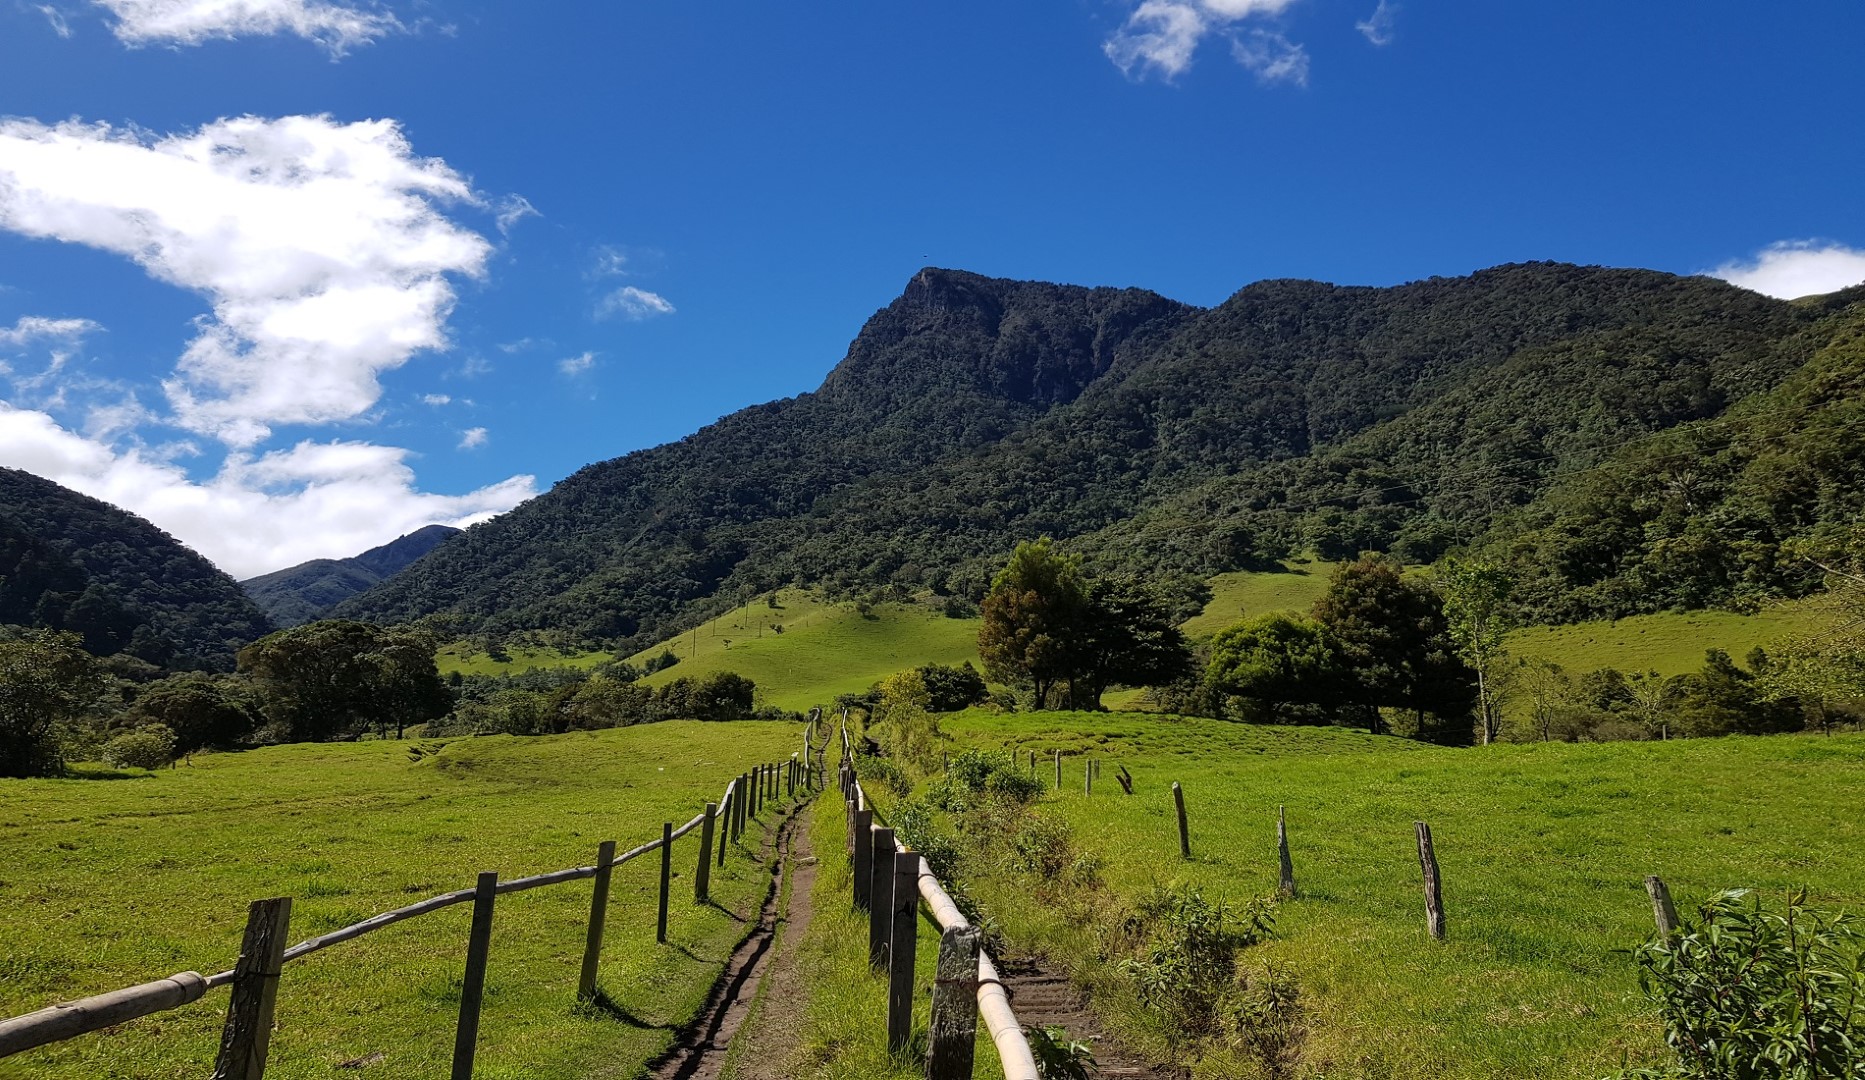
(1287, 886)
(473, 987)
(1662, 910)
(1185, 836)
(900, 950)
(598, 915)
(864, 849)
(954, 1029)
(702, 874)
(248, 1032)
(725, 826)
(880, 895)
(1434, 893)
(660, 927)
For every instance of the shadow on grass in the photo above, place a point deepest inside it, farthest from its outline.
(604, 1005)
(104, 772)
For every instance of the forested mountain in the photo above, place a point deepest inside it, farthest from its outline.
(71, 562)
(972, 413)
(301, 593)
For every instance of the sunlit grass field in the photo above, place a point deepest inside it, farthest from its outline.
(1544, 850)
(1670, 644)
(107, 883)
(468, 661)
(1247, 594)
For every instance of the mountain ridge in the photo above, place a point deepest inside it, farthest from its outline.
(299, 594)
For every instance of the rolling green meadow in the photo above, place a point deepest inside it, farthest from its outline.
(1543, 848)
(107, 883)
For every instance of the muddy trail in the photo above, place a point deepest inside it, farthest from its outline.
(699, 1048)
(1042, 998)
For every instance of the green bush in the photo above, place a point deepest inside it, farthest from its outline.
(1186, 969)
(880, 771)
(977, 772)
(1746, 993)
(148, 747)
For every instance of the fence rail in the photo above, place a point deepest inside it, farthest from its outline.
(249, 1021)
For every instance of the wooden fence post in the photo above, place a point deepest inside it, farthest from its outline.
(702, 874)
(900, 950)
(1434, 893)
(1662, 910)
(248, 1032)
(755, 782)
(473, 987)
(954, 1027)
(725, 826)
(1087, 774)
(1185, 836)
(598, 916)
(864, 850)
(1287, 886)
(1058, 770)
(880, 895)
(660, 926)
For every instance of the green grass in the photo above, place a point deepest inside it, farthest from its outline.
(826, 649)
(1245, 595)
(1670, 644)
(462, 658)
(1544, 849)
(104, 884)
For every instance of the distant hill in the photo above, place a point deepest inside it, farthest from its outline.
(302, 593)
(1181, 442)
(71, 562)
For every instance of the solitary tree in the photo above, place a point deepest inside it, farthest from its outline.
(1031, 616)
(1280, 662)
(1124, 638)
(1392, 635)
(1476, 597)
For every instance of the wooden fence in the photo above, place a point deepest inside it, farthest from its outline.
(889, 883)
(263, 954)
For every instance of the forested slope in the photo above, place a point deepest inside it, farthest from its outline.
(974, 412)
(299, 594)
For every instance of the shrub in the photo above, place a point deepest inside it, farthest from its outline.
(949, 689)
(1059, 1057)
(1746, 993)
(1188, 963)
(876, 770)
(149, 747)
(976, 772)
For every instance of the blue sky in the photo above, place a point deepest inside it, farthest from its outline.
(292, 277)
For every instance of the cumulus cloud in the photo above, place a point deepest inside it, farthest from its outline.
(577, 365)
(320, 246)
(338, 27)
(1272, 57)
(472, 438)
(633, 304)
(258, 513)
(1795, 268)
(1160, 37)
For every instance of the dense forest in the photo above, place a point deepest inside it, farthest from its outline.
(298, 594)
(71, 562)
(1492, 411)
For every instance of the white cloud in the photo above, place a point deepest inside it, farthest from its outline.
(472, 438)
(57, 18)
(1160, 37)
(1272, 57)
(1795, 268)
(513, 209)
(577, 365)
(320, 246)
(338, 27)
(315, 500)
(34, 328)
(1378, 25)
(436, 400)
(633, 304)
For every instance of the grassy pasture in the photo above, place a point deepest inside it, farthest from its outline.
(826, 648)
(465, 660)
(1247, 594)
(1544, 849)
(1670, 644)
(108, 883)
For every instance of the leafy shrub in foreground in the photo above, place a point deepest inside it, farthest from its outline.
(1752, 994)
(978, 772)
(149, 747)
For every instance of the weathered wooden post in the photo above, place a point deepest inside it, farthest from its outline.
(248, 1032)
(754, 781)
(1058, 770)
(864, 851)
(660, 927)
(1087, 775)
(1287, 885)
(702, 874)
(473, 987)
(1185, 836)
(880, 895)
(598, 916)
(1434, 893)
(900, 950)
(1662, 910)
(954, 1006)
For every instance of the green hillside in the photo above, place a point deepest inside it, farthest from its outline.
(825, 649)
(1246, 594)
(115, 883)
(1670, 644)
(1544, 850)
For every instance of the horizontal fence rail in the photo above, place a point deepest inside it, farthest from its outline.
(68, 1020)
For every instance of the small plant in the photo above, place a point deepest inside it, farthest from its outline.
(149, 747)
(977, 772)
(1059, 1057)
(1746, 993)
(879, 770)
(1189, 960)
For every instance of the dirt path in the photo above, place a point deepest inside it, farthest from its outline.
(1041, 998)
(699, 1050)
